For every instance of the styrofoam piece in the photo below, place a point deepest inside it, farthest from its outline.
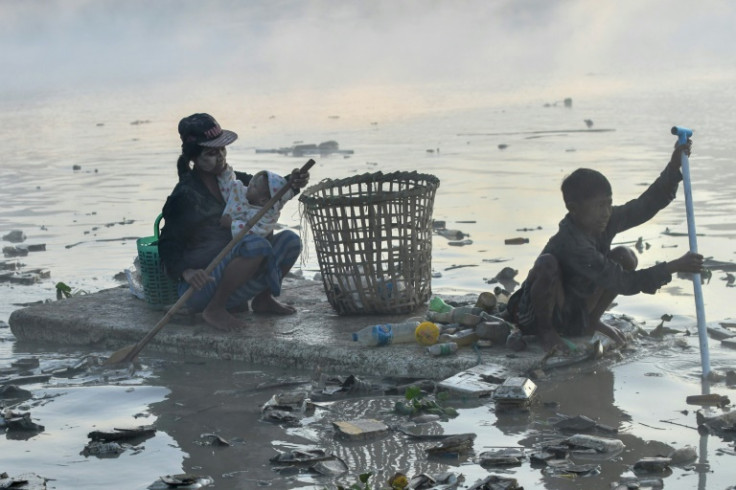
(515, 390)
(473, 381)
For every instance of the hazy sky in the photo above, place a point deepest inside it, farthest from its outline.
(276, 45)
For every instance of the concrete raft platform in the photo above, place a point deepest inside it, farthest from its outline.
(315, 338)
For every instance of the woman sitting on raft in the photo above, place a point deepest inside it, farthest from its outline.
(194, 233)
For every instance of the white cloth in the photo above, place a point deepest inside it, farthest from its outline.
(241, 211)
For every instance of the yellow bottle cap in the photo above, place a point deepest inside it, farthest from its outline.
(427, 333)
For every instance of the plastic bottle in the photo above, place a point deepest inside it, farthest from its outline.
(444, 349)
(465, 315)
(487, 301)
(385, 334)
(496, 331)
(437, 305)
(516, 241)
(461, 338)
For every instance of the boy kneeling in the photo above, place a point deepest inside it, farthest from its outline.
(577, 275)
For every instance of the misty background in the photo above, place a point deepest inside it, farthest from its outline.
(373, 55)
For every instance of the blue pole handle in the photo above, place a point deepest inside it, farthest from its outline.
(683, 134)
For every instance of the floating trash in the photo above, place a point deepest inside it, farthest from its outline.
(632, 482)
(287, 408)
(501, 457)
(711, 399)
(578, 423)
(564, 468)
(12, 392)
(723, 425)
(142, 432)
(451, 234)
(315, 460)
(653, 465)
(455, 445)
(26, 363)
(480, 381)
(361, 429)
(330, 467)
(104, 449)
(515, 391)
(186, 480)
(281, 417)
(541, 457)
(443, 481)
(20, 422)
(496, 482)
(460, 243)
(15, 236)
(684, 455)
(212, 440)
(598, 444)
(302, 456)
(25, 481)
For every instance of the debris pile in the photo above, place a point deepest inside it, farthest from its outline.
(12, 270)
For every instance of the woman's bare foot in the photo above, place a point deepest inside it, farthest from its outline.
(265, 303)
(242, 308)
(222, 320)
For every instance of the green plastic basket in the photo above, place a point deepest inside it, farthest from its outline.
(158, 289)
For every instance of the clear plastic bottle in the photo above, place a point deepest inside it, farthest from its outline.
(461, 338)
(465, 315)
(444, 349)
(388, 333)
(497, 331)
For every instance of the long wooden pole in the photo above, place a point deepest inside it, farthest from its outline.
(129, 353)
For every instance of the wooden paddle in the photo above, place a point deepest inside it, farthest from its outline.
(127, 354)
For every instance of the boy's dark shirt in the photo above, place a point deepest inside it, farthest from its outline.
(192, 235)
(583, 259)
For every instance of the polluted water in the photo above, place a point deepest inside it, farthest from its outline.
(87, 168)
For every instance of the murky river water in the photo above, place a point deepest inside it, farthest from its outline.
(88, 219)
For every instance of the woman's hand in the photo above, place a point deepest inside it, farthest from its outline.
(298, 180)
(226, 221)
(196, 278)
(690, 262)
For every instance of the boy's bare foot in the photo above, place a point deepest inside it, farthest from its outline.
(552, 341)
(265, 303)
(222, 320)
(614, 333)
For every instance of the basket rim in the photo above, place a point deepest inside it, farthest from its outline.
(307, 195)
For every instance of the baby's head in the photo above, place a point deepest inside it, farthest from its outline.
(263, 186)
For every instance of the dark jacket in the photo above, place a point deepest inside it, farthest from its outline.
(583, 259)
(192, 235)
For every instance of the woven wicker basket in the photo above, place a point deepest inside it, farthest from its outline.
(373, 237)
(158, 289)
